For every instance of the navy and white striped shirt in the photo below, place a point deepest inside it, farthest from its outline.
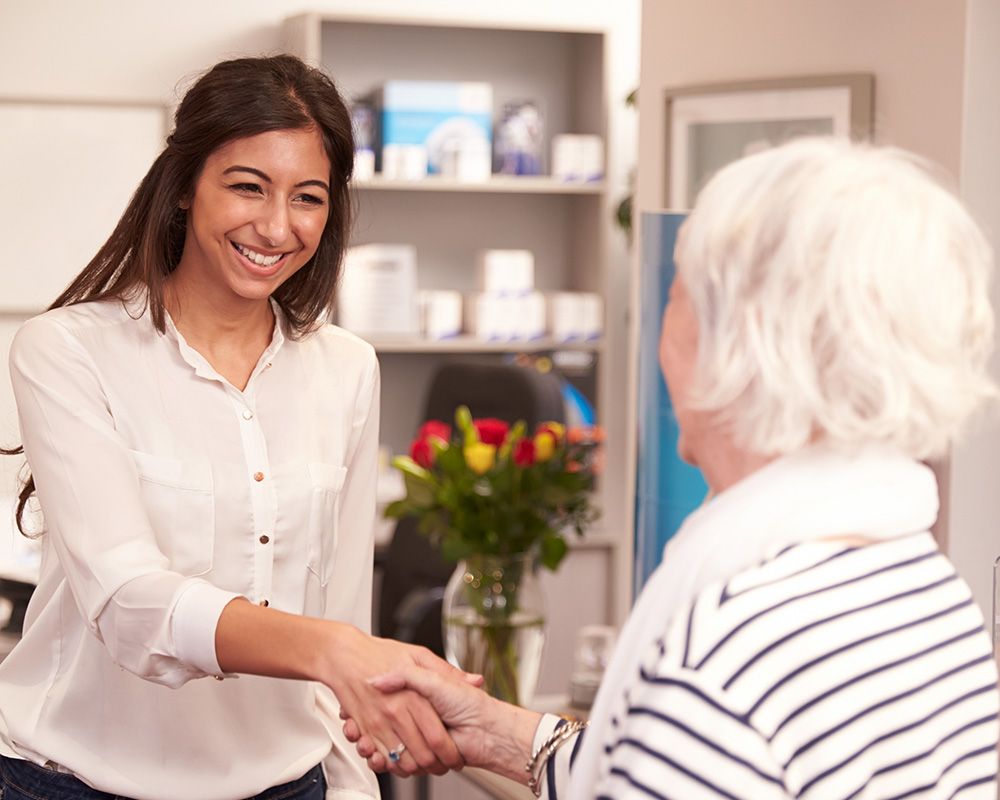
(825, 672)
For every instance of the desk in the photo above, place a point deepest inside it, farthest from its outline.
(498, 787)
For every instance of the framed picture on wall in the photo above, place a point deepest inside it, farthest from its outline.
(709, 126)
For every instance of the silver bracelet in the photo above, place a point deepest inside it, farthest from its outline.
(536, 766)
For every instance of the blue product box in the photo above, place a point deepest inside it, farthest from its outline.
(451, 122)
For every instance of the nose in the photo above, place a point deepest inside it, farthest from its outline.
(273, 223)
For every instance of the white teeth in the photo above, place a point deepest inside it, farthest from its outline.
(258, 258)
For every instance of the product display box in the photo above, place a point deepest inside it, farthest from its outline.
(437, 128)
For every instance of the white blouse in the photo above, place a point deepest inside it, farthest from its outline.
(167, 492)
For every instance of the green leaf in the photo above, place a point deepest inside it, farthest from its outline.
(397, 509)
(463, 421)
(553, 550)
(408, 466)
(419, 490)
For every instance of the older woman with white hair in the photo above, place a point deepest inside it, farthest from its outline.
(828, 330)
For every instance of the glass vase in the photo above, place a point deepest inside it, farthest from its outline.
(493, 618)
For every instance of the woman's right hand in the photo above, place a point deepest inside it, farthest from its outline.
(402, 717)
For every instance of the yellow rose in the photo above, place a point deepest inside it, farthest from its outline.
(480, 457)
(557, 429)
(545, 446)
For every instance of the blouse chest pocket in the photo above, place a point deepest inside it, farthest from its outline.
(326, 482)
(179, 501)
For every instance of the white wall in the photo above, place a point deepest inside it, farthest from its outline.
(974, 529)
(914, 48)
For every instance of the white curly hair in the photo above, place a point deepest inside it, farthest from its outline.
(842, 295)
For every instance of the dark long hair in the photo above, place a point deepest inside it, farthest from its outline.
(233, 100)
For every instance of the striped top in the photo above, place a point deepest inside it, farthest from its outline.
(824, 672)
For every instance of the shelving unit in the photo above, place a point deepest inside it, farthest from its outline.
(498, 183)
(568, 226)
(470, 344)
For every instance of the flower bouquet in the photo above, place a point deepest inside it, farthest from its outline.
(500, 499)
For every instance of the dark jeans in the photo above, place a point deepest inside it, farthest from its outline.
(22, 780)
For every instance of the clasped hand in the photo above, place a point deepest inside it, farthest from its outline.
(386, 715)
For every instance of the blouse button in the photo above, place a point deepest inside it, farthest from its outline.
(264, 539)
(247, 414)
(264, 603)
(258, 476)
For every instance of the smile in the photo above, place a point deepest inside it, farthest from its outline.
(259, 259)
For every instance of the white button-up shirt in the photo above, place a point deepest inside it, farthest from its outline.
(166, 492)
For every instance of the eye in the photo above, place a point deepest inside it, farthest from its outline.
(246, 188)
(312, 199)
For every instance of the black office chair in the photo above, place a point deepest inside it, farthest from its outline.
(414, 572)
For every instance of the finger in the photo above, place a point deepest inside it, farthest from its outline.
(395, 729)
(366, 747)
(474, 679)
(388, 683)
(424, 682)
(426, 659)
(446, 754)
(351, 731)
(344, 714)
(376, 762)
(421, 730)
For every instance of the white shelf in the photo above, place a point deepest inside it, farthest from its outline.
(469, 344)
(509, 184)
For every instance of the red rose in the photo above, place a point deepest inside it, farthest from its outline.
(524, 452)
(434, 427)
(422, 452)
(491, 431)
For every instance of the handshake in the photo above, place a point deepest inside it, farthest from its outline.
(410, 713)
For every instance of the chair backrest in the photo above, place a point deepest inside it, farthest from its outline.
(414, 570)
(502, 391)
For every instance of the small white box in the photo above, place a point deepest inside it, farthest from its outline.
(440, 314)
(577, 157)
(468, 160)
(529, 316)
(486, 317)
(364, 165)
(591, 316)
(404, 162)
(507, 271)
(565, 323)
(378, 290)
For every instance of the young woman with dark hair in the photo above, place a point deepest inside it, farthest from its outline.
(204, 448)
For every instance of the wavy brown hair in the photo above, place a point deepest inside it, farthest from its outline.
(233, 100)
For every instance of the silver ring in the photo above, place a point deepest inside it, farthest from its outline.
(396, 753)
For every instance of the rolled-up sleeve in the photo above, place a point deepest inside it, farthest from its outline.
(88, 487)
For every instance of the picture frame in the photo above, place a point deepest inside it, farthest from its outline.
(710, 125)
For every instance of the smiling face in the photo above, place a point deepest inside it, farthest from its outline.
(256, 216)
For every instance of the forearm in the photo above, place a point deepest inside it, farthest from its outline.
(264, 641)
(509, 733)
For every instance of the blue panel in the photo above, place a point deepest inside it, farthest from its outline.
(667, 489)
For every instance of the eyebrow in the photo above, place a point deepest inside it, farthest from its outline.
(265, 177)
